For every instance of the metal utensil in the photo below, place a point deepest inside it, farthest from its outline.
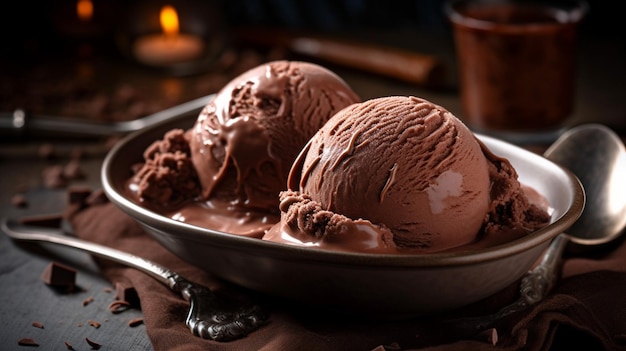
(19, 123)
(210, 316)
(415, 68)
(596, 155)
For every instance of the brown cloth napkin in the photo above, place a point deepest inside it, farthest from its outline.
(586, 311)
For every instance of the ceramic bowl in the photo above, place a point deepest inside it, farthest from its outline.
(385, 285)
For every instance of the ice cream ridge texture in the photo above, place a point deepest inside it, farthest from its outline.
(400, 174)
(226, 172)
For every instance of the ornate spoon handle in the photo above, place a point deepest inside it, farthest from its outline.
(210, 316)
(534, 286)
(538, 282)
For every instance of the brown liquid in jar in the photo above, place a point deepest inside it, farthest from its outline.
(517, 66)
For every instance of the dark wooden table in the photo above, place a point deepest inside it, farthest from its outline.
(25, 299)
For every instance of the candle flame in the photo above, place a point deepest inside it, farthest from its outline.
(84, 10)
(169, 20)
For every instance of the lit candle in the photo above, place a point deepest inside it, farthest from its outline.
(169, 47)
(80, 19)
(84, 10)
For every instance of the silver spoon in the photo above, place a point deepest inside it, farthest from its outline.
(20, 123)
(210, 316)
(596, 155)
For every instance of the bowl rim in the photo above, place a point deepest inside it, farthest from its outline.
(256, 246)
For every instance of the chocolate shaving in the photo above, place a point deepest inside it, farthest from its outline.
(27, 342)
(88, 300)
(119, 306)
(37, 325)
(94, 345)
(135, 322)
(69, 346)
(93, 323)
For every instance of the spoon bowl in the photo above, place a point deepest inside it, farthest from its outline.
(598, 158)
(596, 155)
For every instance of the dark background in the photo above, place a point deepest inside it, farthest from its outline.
(51, 64)
(47, 53)
(32, 30)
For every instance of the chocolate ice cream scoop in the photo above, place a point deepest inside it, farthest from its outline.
(399, 174)
(246, 139)
(227, 170)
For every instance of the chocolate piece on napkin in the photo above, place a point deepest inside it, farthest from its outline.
(585, 311)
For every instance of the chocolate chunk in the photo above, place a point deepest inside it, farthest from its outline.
(37, 325)
(93, 323)
(27, 342)
(59, 275)
(126, 293)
